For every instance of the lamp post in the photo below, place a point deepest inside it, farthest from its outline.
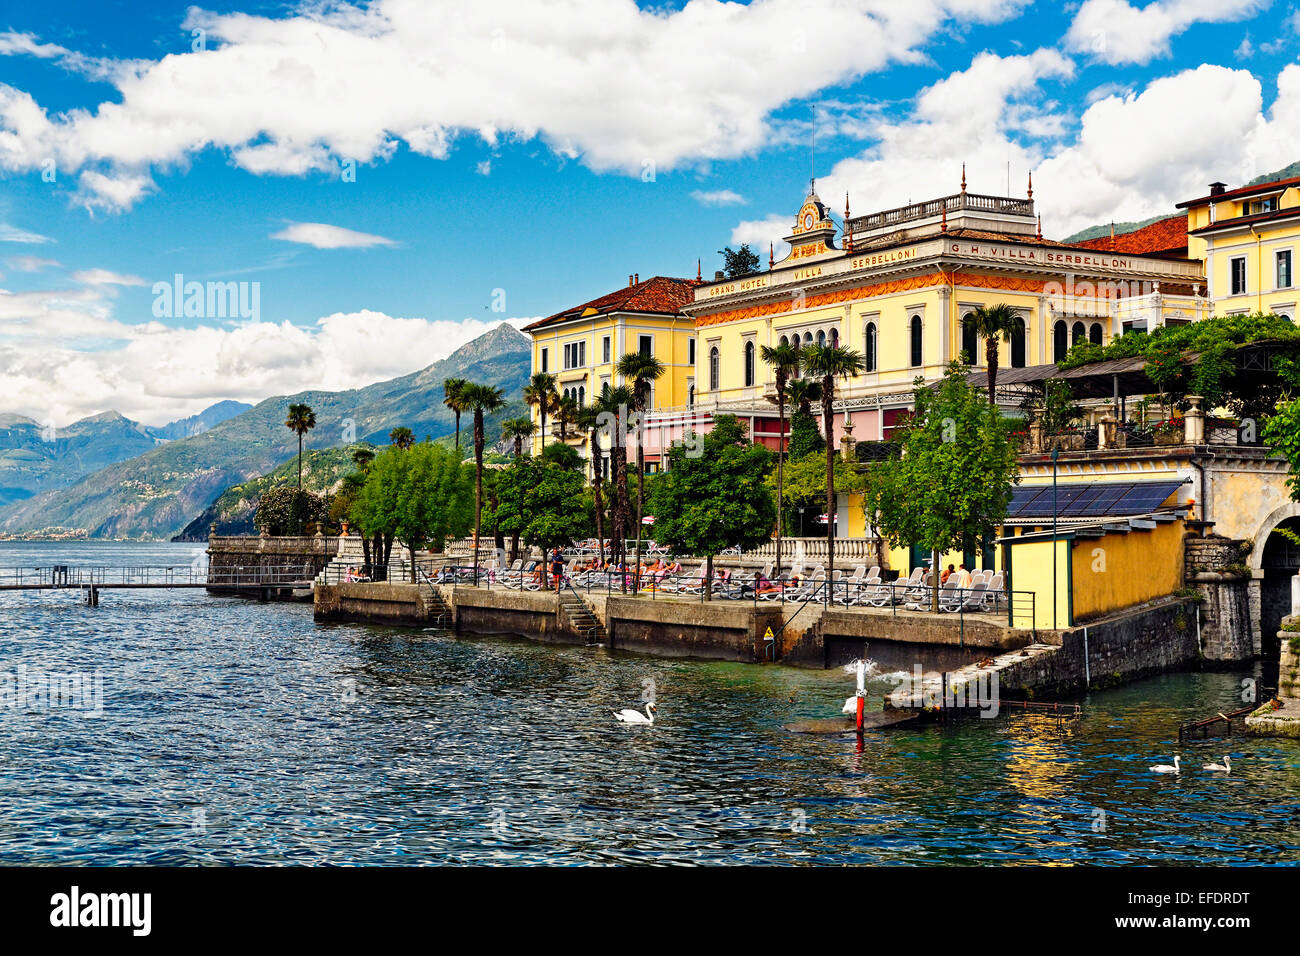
(1055, 453)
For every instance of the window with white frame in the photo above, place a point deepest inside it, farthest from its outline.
(1283, 261)
(575, 355)
(605, 350)
(1237, 267)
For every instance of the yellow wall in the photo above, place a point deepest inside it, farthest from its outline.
(1031, 571)
(1258, 246)
(1120, 570)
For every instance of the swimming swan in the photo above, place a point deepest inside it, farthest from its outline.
(629, 716)
(1167, 768)
(1226, 766)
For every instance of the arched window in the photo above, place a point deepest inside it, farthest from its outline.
(1060, 340)
(1077, 333)
(749, 363)
(713, 369)
(835, 338)
(869, 348)
(969, 340)
(582, 394)
(690, 395)
(1018, 344)
(785, 340)
(807, 338)
(916, 341)
(821, 337)
(1095, 333)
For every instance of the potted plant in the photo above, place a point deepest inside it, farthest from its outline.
(1169, 432)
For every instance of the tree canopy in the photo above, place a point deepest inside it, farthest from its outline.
(951, 487)
(714, 494)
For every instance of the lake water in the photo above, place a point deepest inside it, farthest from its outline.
(239, 732)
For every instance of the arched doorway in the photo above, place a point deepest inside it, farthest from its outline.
(1279, 560)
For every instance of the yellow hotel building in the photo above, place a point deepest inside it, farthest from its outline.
(896, 286)
(1247, 239)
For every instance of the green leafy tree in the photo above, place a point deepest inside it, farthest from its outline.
(951, 487)
(805, 437)
(543, 501)
(642, 371)
(738, 263)
(402, 437)
(993, 322)
(286, 510)
(784, 362)
(300, 420)
(589, 421)
(451, 391)
(830, 362)
(714, 495)
(566, 411)
(434, 498)
(1282, 432)
(612, 410)
(805, 482)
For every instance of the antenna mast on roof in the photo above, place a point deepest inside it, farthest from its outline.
(812, 155)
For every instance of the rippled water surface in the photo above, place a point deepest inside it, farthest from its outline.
(239, 732)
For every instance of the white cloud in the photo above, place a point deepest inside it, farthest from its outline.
(324, 236)
(1116, 32)
(105, 277)
(718, 197)
(764, 235)
(64, 356)
(1130, 155)
(10, 233)
(29, 263)
(622, 88)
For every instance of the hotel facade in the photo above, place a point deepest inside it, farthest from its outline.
(897, 286)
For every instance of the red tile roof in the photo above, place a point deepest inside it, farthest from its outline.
(1289, 213)
(1243, 191)
(661, 295)
(1163, 237)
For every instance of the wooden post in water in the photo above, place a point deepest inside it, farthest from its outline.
(862, 692)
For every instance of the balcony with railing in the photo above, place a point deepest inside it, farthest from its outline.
(932, 208)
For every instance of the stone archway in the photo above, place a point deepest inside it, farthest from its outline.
(1273, 562)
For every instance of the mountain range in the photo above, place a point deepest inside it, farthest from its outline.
(160, 491)
(36, 457)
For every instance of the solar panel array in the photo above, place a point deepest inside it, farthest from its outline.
(1093, 499)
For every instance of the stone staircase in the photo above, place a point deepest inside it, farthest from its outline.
(435, 605)
(583, 618)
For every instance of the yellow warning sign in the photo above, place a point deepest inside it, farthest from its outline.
(767, 635)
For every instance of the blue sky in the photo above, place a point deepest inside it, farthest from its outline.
(514, 158)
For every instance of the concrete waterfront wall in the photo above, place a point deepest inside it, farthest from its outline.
(934, 641)
(532, 614)
(1215, 567)
(721, 630)
(371, 603)
(1124, 647)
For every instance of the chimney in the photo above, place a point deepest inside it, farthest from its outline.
(718, 276)
(629, 280)
(637, 277)
(1217, 189)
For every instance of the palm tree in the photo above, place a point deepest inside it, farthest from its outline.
(566, 410)
(993, 322)
(518, 429)
(642, 371)
(539, 393)
(403, 438)
(588, 420)
(802, 392)
(481, 400)
(300, 420)
(830, 362)
(362, 457)
(451, 391)
(613, 403)
(784, 360)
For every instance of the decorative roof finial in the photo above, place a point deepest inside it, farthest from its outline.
(963, 177)
(1031, 184)
(848, 234)
(1112, 235)
(1040, 225)
(699, 276)
(943, 225)
(771, 257)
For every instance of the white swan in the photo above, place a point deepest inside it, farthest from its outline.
(629, 716)
(1226, 766)
(1168, 768)
(850, 705)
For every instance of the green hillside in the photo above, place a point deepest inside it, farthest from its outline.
(155, 495)
(232, 513)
